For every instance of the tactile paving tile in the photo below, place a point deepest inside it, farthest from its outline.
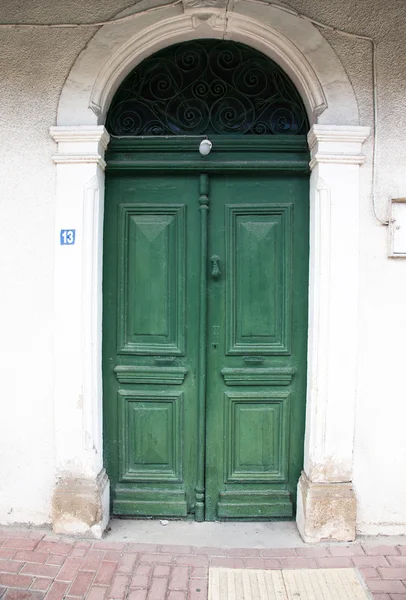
(245, 584)
(298, 584)
(324, 584)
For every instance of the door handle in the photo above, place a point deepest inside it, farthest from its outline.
(215, 266)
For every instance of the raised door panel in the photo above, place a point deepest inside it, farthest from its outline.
(152, 280)
(258, 256)
(256, 427)
(151, 436)
(256, 455)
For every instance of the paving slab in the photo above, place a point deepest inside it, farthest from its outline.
(246, 584)
(325, 584)
(299, 584)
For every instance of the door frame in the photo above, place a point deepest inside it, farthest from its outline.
(81, 499)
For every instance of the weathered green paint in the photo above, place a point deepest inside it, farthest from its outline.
(273, 153)
(205, 324)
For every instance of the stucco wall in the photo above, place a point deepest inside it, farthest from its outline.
(33, 66)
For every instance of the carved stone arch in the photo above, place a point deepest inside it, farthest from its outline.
(296, 45)
(81, 498)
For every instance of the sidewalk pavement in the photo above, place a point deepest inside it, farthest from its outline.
(37, 566)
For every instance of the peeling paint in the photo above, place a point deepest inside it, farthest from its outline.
(330, 471)
(76, 501)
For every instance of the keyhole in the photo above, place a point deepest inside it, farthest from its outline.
(214, 346)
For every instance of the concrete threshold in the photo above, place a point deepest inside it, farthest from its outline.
(280, 534)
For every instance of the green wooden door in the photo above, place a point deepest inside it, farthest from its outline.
(204, 335)
(151, 343)
(257, 332)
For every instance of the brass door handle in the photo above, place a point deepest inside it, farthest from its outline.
(215, 266)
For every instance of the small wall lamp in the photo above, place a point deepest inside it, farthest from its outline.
(205, 147)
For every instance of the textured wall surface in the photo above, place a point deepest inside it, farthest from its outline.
(34, 64)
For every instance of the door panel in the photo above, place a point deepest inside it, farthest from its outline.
(151, 434)
(152, 241)
(258, 255)
(257, 345)
(255, 436)
(150, 343)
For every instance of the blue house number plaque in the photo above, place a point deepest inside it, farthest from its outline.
(68, 237)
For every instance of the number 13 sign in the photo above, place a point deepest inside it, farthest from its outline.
(67, 237)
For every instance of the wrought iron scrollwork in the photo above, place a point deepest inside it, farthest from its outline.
(207, 87)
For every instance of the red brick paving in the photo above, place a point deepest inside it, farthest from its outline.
(34, 566)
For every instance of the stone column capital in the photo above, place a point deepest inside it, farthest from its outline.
(83, 144)
(337, 144)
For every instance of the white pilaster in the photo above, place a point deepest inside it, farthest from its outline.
(336, 156)
(81, 503)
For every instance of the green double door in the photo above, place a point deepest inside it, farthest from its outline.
(204, 358)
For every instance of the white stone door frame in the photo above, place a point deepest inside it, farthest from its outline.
(326, 501)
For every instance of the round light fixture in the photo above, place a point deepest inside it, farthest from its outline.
(205, 147)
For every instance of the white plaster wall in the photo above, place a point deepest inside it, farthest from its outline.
(33, 67)
(379, 450)
(28, 94)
